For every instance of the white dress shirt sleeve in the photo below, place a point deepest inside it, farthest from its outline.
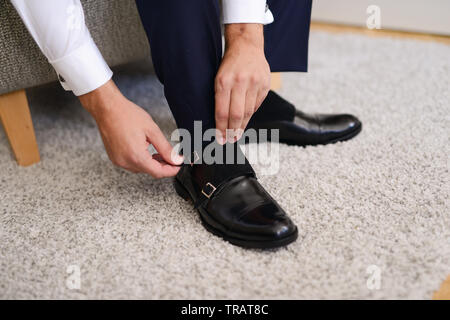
(246, 11)
(59, 29)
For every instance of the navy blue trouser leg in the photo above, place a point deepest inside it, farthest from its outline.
(186, 46)
(286, 39)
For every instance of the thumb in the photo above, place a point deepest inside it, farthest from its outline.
(164, 148)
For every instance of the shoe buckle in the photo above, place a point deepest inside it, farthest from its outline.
(209, 192)
(196, 157)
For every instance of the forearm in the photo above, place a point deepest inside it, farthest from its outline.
(101, 100)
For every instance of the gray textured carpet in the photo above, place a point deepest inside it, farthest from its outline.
(380, 199)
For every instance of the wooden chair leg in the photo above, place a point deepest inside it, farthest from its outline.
(16, 119)
(444, 292)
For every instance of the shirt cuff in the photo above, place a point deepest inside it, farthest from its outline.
(246, 11)
(83, 70)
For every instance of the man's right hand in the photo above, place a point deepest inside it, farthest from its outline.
(127, 131)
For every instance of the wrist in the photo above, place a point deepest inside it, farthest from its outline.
(100, 100)
(246, 33)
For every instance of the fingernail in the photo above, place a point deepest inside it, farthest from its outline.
(239, 134)
(230, 136)
(219, 137)
(178, 159)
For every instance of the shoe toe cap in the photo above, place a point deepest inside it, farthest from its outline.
(269, 221)
(341, 122)
(283, 229)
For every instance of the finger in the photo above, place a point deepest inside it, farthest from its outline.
(166, 170)
(133, 169)
(162, 145)
(250, 107)
(237, 108)
(262, 94)
(222, 99)
(158, 157)
(155, 168)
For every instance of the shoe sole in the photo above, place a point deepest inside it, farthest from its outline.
(255, 244)
(339, 139)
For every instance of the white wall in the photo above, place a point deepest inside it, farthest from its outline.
(429, 16)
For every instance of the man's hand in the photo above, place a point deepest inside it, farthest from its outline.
(127, 130)
(243, 80)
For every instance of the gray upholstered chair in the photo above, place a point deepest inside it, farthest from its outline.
(116, 29)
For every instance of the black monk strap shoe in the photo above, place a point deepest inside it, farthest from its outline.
(300, 128)
(233, 205)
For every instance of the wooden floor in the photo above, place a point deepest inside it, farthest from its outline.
(442, 293)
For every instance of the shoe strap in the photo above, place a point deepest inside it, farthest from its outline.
(212, 178)
(214, 185)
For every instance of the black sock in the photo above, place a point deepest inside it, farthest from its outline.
(273, 108)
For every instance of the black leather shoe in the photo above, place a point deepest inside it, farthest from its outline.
(233, 205)
(303, 129)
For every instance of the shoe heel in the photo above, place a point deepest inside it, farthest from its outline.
(181, 191)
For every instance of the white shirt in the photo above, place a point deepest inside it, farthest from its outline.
(59, 29)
